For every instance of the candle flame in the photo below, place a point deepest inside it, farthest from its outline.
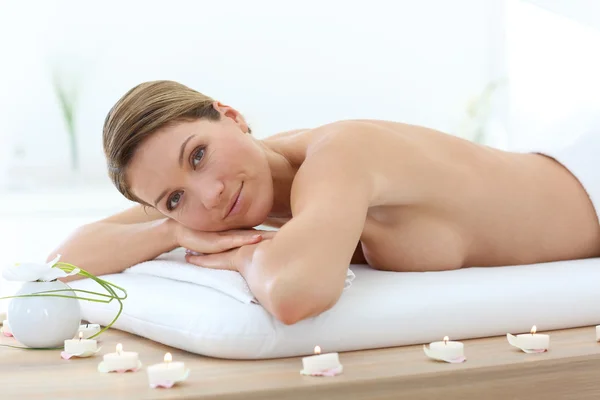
(80, 335)
(168, 358)
(533, 330)
(119, 348)
(446, 338)
(317, 350)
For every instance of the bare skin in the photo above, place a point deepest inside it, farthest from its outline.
(406, 198)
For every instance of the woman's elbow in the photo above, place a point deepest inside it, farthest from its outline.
(291, 306)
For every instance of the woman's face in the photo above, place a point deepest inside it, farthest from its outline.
(207, 175)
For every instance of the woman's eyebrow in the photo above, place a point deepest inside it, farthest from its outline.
(160, 197)
(182, 150)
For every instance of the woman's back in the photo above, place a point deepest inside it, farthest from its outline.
(445, 203)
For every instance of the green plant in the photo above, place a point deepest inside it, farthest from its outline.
(67, 99)
(478, 112)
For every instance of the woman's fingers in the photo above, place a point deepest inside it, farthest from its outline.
(232, 260)
(216, 242)
(234, 239)
(267, 234)
(222, 260)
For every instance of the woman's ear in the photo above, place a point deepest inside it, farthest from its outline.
(229, 112)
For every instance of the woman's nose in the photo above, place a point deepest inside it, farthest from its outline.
(210, 193)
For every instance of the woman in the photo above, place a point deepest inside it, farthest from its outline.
(396, 196)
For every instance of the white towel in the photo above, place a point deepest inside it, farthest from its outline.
(173, 266)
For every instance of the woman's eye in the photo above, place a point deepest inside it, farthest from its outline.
(197, 156)
(173, 201)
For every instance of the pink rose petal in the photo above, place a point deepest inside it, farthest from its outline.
(122, 371)
(457, 360)
(166, 385)
(65, 355)
(327, 372)
(534, 350)
(7, 334)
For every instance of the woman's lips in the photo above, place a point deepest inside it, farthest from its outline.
(237, 203)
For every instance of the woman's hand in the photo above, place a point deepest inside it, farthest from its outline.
(232, 260)
(200, 242)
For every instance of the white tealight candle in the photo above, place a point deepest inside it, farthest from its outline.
(446, 350)
(167, 373)
(598, 333)
(321, 364)
(6, 328)
(530, 341)
(80, 345)
(88, 330)
(120, 360)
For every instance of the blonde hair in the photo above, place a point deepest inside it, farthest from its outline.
(142, 111)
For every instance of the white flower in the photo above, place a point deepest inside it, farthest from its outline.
(31, 272)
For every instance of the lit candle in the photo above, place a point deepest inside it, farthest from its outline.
(6, 328)
(166, 374)
(321, 364)
(531, 342)
(446, 350)
(80, 345)
(120, 361)
(88, 330)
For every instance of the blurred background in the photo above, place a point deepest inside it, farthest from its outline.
(499, 72)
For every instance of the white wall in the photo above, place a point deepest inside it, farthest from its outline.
(554, 67)
(283, 64)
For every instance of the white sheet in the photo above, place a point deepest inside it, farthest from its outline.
(381, 309)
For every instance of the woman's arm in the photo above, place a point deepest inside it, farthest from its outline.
(113, 244)
(301, 271)
(140, 234)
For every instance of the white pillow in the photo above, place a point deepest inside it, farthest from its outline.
(381, 309)
(173, 266)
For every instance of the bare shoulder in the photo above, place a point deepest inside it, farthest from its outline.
(336, 164)
(372, 135)
(382, 156)
(361, 146)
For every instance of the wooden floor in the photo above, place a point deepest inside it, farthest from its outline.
(494, 370)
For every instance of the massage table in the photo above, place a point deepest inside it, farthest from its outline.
(493, 370)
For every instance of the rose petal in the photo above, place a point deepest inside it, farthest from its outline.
(512, 339)
(327, 372)
(531, 351)
(27, 272)
(81, 355)
(102, 367)
(184, 376)
(54, 273)
(53, 262)
(30, 272)
(431, 354)
(166, 385)
(457, 360)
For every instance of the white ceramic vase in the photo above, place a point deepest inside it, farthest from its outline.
(41, 322)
